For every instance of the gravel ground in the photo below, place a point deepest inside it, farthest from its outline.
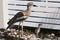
(41, 39)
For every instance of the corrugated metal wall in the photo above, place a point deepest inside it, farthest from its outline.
(48, 14)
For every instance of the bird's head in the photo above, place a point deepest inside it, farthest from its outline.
(30, 4)
(29, 7)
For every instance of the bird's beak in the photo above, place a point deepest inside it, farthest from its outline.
(35, 5)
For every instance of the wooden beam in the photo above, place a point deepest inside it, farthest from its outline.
(3, 13)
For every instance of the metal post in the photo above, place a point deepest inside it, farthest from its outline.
(38, 30)
(46, 2)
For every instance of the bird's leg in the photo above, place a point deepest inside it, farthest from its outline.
(19, 30)
(19, 26)
(22, 28)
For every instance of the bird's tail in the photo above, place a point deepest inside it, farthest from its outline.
(9, 26)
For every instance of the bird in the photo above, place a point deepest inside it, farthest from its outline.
(21, 16)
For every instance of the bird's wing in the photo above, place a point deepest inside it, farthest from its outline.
(23, 17)
(19, 14)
